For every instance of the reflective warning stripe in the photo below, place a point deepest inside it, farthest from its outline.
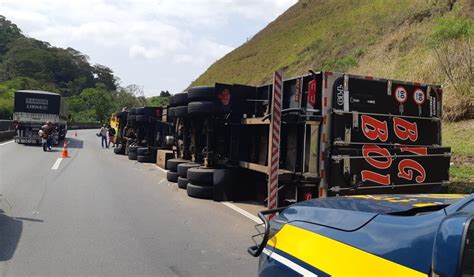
(275, 141)
(334, 257)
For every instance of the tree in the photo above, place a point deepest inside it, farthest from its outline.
(165, 94)
(105, 75)
(157, 101)
(8, 33)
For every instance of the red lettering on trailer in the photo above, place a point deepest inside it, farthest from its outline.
(415, 150)
(405, 129)
(374, 129)
(368, 175)
(406, 167)
(312, 93)
(368, 149)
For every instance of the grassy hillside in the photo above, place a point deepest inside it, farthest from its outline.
(391, 39)
(429, 41)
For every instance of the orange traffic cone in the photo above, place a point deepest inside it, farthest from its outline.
(65, 153)
(75, 134)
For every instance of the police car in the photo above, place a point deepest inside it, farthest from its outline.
(369, 235)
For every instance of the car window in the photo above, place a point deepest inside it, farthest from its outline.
(469, 207)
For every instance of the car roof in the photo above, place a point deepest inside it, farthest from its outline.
(385, 204)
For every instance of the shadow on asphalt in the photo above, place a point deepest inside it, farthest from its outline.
(10, 233)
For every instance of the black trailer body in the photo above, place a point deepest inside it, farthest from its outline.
(32, 109)
(343, 134)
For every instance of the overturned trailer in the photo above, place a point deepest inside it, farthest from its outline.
(317, 135)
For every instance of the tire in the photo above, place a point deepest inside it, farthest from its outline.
(202, 107)
(142, 118)
(181, 111)
(132, 149)
(132, 111)
(172, 164)
(132, 118)
(171, 101)
(182, 182)
(201, 176)
(201, 94)
(122, 116)
(182, 169)
(140, 111)
(145, 159)
(132, 155)
(199, 192)
(119, 150)
(142, 151)
(180, 99)
(172, 176)
(171, 112)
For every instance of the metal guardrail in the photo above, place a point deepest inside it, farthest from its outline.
(78, 126)
(7, 135)
(6, 125)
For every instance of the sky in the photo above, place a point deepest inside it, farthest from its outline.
(155, 44)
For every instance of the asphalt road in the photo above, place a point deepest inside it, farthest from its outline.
(101, 214)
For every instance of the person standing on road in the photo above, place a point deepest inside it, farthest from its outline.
(46, 135)
(42, 134)
(111, 136)
(104, 131)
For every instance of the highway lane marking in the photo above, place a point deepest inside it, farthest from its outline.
(5, 143)
(56, 164)
(242, 212)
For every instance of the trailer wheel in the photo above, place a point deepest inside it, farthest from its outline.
(142, 118)
(182, 182)
(132, 118)
(172, 164)
(132, 155)
(199, 192)
(119, 150)
(171, 101)
(201, 176)
(140, 111)
(172, 176)
(182, 169)
(171, 112)
(142, 151)
(180, 99)
(201, 94)
(145, 159)
(181, 111)
(203, 107)
(132, 149)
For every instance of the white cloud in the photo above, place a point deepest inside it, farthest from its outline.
(132, 36)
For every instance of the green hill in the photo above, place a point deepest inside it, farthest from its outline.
(393, 39)
(429, 41)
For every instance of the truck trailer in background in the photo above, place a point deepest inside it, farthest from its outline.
(32, 109)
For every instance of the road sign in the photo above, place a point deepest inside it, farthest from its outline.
(419, 96)
(401, 94)
(274, 136)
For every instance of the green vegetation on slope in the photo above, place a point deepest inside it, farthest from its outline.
(392, 39)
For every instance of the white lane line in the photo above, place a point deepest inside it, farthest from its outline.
(5, 143)
(164, 170)
(301, 270)
(56, 164)
(242, 212)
